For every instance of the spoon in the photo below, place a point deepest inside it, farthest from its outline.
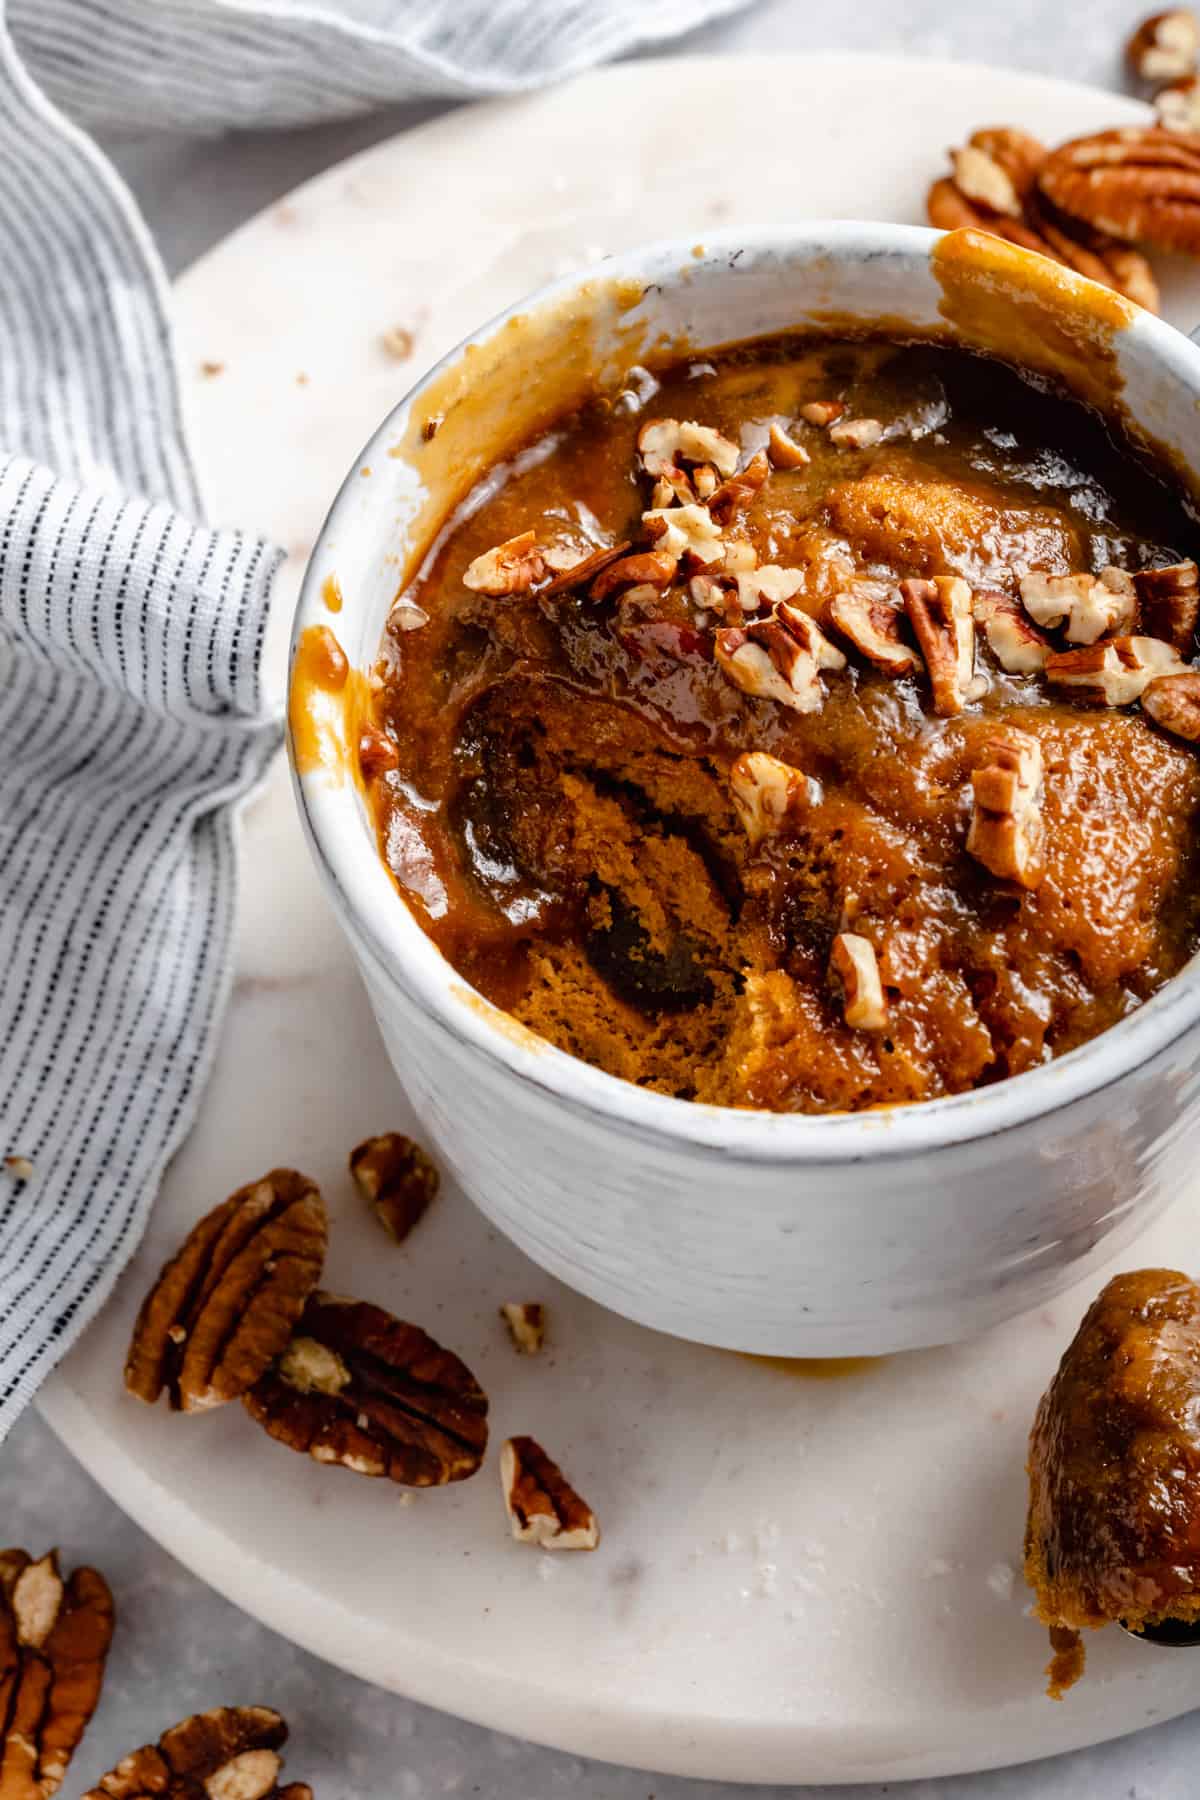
(1168, 1634)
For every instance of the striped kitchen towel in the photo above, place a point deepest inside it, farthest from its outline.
(131, 715)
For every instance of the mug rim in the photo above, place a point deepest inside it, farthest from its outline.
(403, 956)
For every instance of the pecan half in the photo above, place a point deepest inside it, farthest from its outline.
(1092, 606)
(738, 490)
(526, 1321)
(54, 1639)
(225, 1304)
(1115, 673)
(358, 1387)
(939, 612)
(767, 793)
(230, 1753)
(1140, 184)
(664, 443)
(396, 1177)
(508, 568)
(543, 1508)
(580, 573)
(684, 531)
(784, 451)
(1011, 636)
(1007, 833)
(1173, 701)
(852, 959)
(1000, 164)
(779, 658)
(1169, 600)
(656, 568)
(1165, 46)
(867, 615)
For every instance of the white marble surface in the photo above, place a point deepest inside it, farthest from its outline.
(183, 1647)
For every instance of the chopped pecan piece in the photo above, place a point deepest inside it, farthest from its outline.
(542, 1506)
(705, 481)
(655, 568)
(684, 531)
(1178, 106)
(224, 1306)
(580, 573)
(1139, 184)
(1012, 637)
(719, 594)
(821, 412)
(1169, 600)
(757, 588)
(508, 568)
(1165, 46)
(1093, 606)
(363, 1389)
(1114, 673)
(1001, 163)
(674, 486)
(54, 1639)
(664, 443)
(784, 451)
(779, 658)
(939, 612)
(854, 962)
(1007, 832)
(866, 614)
(738, 555)
(526, 1321)
(397, 1178)
(767, 793)
(737, 490)
(860, 434)
(230, 1753)
(1173, 701)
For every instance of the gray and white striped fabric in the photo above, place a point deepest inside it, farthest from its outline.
(131, 717)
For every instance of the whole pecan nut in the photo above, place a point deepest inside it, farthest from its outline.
(225, 1304)
(396, 1177)
(230, 1753)
(361, 1388)
(543, 1508)
(994, 187)
(54, 1639)
(1140, 184)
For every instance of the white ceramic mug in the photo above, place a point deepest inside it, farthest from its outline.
(784, 1234)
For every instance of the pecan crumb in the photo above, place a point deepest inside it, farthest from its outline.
(1007, 833)
(1173, 701)
(526, 1321)
(860, 434)
(398, 1179)
(398, 343)
(542, 1506)
(767, 792)
(1165, 46)
(853, 960)
(431, 427)
(211, 369)
(508, 568)
(1169, 599)
(19, 1167)
(784, 451)
(821, 412)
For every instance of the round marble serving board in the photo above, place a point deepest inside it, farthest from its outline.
(806, 1575)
